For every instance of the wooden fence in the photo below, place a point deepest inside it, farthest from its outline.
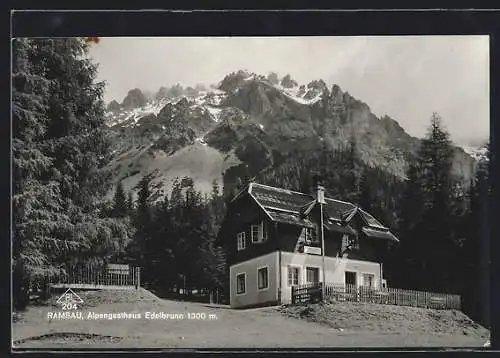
(388, 296)
(103, 277)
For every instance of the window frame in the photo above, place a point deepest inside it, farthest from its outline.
(244, 274)
(311, 235)
(315, 268)
(350, 242)
(259, 269)
(263, 231)
(241, 236)
(356, 278)
(258, 232)
(254, 239)
(372, 275)
(299, 270)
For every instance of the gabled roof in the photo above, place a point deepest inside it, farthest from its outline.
(292, 207)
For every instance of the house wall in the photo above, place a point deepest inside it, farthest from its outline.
(335, 270)
(244, 214)
(287, 235)
(253, 296)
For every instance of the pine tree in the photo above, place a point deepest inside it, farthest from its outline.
(130, 203)
(429, 246)
(77, 139)
(60, 149)
(141, 248)
(120, 205)
(36, 200)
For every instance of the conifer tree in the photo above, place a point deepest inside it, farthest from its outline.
(428, 243)
(36, 198)
(60, 147)
(120, 205)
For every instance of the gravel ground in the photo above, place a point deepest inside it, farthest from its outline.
(313, 326)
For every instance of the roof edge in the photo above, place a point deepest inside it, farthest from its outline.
(245, 189)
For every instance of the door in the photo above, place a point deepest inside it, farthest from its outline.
(312, 275)
(350, 282)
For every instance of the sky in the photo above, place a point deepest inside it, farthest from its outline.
(405, 77)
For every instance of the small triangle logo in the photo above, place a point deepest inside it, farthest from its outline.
(69, 297)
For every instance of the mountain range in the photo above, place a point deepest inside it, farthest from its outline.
(249, 123)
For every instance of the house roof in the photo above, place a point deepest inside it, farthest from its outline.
(379, 234)
(288, 206)
(290, 218)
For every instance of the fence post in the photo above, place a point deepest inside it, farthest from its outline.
(138, 277)
(293, 294)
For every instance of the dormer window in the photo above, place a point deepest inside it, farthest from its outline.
(350, 242)
(259, 232)
(310, 235)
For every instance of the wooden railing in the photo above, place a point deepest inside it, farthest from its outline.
(97, 277)
(389, 296)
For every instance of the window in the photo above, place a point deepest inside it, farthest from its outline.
(241, 241)
(350, 278)
(293, 276)
(312, 274)
(310, 235)
(241, 284)
(349, 242)
(263, 231)
(259, 232)
(255, 233)
(262, 278)
(369, 280)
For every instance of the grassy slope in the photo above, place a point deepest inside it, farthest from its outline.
(387, 318)
(264, 327)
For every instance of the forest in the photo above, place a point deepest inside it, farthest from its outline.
(61, 149)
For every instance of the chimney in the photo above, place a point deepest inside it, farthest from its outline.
(319, 189)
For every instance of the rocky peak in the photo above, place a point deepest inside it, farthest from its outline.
(233, 81)
(134, 99)
(113, 106)
(337, 94)
(288, 82)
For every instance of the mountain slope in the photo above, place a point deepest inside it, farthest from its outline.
(250, 124)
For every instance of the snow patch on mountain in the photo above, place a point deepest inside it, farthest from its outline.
(208, 100)
(293, 94)
(214, 112)
(478, 153)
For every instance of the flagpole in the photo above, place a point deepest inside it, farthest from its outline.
(323, 288)
(320, 198)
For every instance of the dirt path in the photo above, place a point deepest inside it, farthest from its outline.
(222, 327)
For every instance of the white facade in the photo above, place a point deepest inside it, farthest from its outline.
(294, 270)
(335, 268)
(253, 295)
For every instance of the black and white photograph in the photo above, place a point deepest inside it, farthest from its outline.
(250, 192)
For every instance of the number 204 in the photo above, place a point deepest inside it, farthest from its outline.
(69, 306)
